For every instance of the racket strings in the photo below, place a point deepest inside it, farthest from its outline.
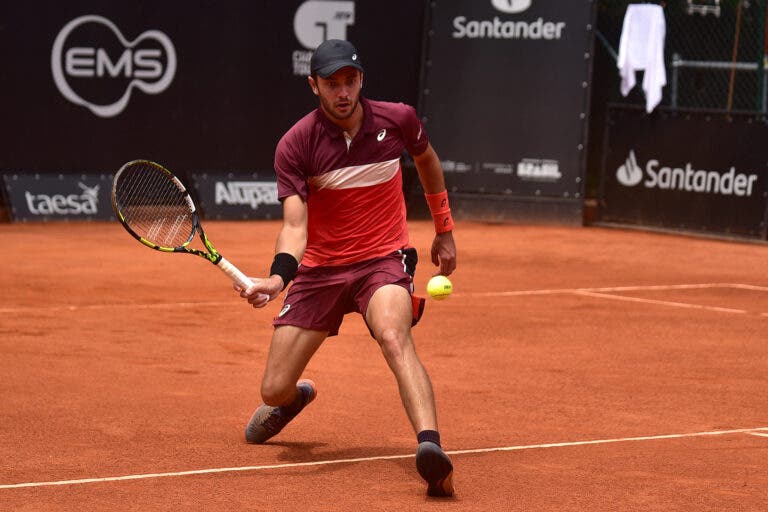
(154, 205)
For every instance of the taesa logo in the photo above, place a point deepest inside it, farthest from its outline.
(317, 21)
(89, 72)
(630, 174)
(511, 6)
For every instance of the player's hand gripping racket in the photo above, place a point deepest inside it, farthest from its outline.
(155, 208)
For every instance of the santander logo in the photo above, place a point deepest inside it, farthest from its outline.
(630, 174)
(511, 6)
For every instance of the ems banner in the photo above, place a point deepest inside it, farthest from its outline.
(691, 171)
(505, 95)
(89, 85)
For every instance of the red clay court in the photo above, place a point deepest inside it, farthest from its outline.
(574, 369)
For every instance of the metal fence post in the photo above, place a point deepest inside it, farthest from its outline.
(761, 71)
(673, 92)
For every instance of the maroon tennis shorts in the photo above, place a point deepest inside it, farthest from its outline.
(319, 297)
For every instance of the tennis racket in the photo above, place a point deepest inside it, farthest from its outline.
(156, 209)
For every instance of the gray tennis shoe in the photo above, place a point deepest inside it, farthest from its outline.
(268, 421)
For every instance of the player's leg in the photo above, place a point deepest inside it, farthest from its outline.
(289, 353)
(389, 316)
(283, 393)
(313, 309)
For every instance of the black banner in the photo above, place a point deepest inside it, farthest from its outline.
(237, 196)
(88, 85)
(693, 171)
(45, 197)
(505, 96)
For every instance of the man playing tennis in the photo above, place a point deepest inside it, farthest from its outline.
(340, 181)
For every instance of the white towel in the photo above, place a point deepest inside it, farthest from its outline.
(642, 48)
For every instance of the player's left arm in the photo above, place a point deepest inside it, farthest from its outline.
(433, 182)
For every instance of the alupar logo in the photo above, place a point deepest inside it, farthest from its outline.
(96, 67)
(685, 179)
(252, 193)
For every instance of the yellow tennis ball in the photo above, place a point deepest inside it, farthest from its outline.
(439, 287)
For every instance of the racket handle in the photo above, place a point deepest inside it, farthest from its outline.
(235, 274)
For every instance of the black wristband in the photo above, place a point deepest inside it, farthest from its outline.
(284, 265)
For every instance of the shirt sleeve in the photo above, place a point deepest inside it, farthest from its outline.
(416, 140)
(291, 180)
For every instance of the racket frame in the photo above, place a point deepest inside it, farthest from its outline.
(210, 254)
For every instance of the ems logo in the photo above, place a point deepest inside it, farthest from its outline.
(96, 67)
(630, 174)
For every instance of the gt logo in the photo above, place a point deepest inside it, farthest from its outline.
(511, 6)
(79, 59)
(317, 21)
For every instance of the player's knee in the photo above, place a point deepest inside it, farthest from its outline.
(394, 344)
(277, 391)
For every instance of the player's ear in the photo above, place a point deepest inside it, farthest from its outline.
(313, 85)
(361, 79)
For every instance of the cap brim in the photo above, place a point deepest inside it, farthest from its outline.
(330, 69)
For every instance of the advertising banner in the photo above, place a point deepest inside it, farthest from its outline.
(237, 196)
(89, 85)
(505, 94)
(693, 171)
(50, 197)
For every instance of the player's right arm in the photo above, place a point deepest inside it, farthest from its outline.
(293, 235)
(291, 243)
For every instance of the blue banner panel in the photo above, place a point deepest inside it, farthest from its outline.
(237, 195)
(692, 171)
(56, 197)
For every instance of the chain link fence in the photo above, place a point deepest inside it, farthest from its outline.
(715, 52)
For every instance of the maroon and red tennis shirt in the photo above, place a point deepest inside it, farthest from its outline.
(353, 193)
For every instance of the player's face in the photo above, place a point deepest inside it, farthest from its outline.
(339, 93)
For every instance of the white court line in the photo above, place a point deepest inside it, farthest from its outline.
(382, 457)
(660, 302)
(89, 307)
(599, 292)
(617, 289)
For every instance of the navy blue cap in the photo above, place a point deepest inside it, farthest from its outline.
(333, 55)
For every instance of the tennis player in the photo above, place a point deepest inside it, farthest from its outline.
(339, 179)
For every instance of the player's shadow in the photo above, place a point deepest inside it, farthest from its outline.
(308, 452)
(330, 461)
(298, 451)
